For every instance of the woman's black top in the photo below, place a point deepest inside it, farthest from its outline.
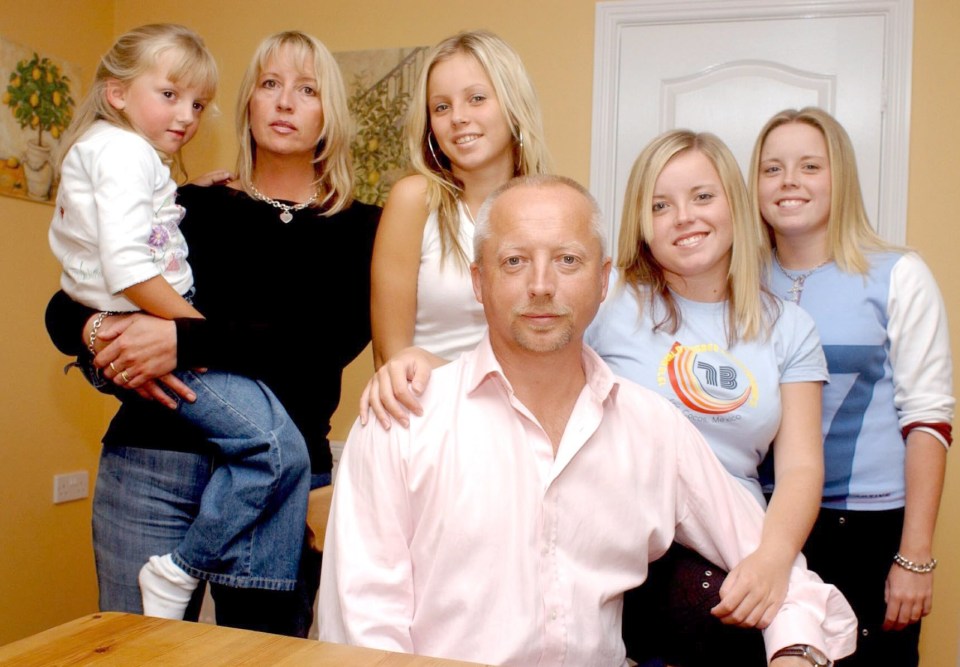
(286, 303)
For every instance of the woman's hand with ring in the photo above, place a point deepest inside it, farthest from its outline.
(139, 348)
(140, 353)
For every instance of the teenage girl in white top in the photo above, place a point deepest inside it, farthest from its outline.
(473, 124)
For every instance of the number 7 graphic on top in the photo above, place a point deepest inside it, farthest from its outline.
(840, 442)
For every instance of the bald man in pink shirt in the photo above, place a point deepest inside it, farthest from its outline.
(505, 523)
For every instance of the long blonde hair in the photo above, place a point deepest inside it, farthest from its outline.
(332, 162)
(133, 54)
(849, 234)
(520, 107)
(751, 310)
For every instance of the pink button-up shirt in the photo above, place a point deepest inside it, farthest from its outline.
(463, 537)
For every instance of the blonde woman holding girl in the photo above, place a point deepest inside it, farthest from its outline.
(116, 232)
(689, 317)
(254, 248)
(474, 123)
(888, 408)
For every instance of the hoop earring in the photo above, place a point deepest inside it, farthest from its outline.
(519, 168)
(432, 152)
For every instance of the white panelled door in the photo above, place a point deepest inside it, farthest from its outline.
(726, 66)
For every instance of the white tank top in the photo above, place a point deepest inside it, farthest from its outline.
(449, 318)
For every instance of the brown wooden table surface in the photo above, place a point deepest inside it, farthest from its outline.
(113, 638)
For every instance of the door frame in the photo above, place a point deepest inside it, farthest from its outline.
(612, 18)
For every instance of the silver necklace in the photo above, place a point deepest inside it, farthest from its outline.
(286, 212)
(796, 291)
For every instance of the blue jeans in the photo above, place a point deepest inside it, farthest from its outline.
(248, 531)
(145, 502)
(241, 535)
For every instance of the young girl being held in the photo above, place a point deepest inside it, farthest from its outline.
(888, 408)
(116, 233)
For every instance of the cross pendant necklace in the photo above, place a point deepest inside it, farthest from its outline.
(796, 290)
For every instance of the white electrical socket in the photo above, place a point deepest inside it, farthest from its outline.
(71, 486)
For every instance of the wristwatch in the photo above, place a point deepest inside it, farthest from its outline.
(812, 654)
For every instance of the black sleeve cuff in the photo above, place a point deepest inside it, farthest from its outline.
(65, 319)
(192, 337)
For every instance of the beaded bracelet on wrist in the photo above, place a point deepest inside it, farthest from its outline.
(917, 568)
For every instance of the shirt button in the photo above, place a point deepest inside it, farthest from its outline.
(865, 632)
(842, 520)
(706, 584)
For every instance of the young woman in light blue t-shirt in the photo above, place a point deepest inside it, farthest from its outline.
(690, 318)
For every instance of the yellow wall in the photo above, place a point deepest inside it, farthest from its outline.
(555, 38)
(934, 168)
(50, 424)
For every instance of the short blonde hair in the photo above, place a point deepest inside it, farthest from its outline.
(849, 233)
(332, 163)
(132, 55)
(538, 181)
(520, 107)
(750, 306)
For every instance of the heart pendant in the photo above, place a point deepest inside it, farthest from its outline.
(286, 216)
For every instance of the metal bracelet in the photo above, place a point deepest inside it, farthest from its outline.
(93, 332)
(917, 568)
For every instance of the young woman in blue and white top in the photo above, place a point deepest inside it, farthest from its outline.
(474, 123)
(888, 408)
(690, 318)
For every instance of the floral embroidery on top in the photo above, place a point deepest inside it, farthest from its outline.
(165, 239)
(159, 237)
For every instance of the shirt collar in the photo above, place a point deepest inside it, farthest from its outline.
(481, 364)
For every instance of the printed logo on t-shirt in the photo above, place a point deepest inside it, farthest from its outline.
(707, 378)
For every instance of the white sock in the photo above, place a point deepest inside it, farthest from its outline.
(166, 588)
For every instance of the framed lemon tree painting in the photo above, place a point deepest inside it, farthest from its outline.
(36, 105)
